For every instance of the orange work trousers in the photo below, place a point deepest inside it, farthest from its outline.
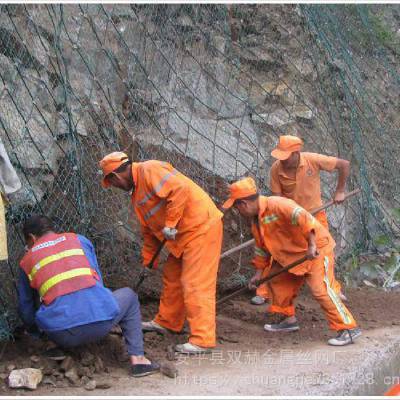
(319, 276)
(262, 290)
(189, 288)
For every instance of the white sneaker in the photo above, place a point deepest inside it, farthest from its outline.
(257, 300)
(152, 326)
(345, 336)
(189, 348)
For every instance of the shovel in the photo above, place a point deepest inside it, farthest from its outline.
(263, 280)
(144, 271)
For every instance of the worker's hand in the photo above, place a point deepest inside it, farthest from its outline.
(312, 251)
(339, 197)
(169, 233)
(256, 277)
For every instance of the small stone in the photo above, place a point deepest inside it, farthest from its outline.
(91, 385)
(72, 376)
(11, 367)
(84, 380)
(3, 376)
(35, 359)
(67, 363)
(62, 384)
(87, 359)
(85, 371)
(25, 378)
(48, 381)
(103, 385)
(171, 355)
(98, 364)
(169, 369)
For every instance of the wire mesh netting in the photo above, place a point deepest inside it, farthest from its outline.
(208, 88)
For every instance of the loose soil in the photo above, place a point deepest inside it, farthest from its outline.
(248, 360)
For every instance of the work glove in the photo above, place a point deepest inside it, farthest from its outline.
(256, 277)
(169, 233)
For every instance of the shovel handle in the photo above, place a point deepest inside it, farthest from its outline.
(143, 272)
(263, 280)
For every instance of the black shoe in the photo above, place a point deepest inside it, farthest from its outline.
(55, 354)
(277, 323)
(139, 370)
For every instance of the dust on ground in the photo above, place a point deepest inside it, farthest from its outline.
(247, 361)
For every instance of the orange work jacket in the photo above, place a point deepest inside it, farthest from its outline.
(165, 197)
(283, 230)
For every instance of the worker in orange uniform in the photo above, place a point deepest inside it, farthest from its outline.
(296, 175)
(170, 206)
(286, 232)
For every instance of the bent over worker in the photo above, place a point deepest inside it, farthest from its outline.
(75, 308)
(286, 232)
(170, 206)
(296, 175)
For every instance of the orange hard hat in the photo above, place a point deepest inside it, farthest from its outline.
(110, 163)
(240, 190)
(286, 146)
(393, 391)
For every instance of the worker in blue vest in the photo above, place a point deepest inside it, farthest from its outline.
(75, 308)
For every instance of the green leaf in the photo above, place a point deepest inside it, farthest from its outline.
(382, 240)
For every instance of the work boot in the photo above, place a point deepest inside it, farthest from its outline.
(345, 336)
(139, 370)
(279, 323)
(257, 300)
(190, 348)
(152, 326)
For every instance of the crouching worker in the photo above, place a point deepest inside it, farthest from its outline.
(75, 308)
(287, 232)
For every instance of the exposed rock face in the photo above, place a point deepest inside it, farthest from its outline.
(185, 82)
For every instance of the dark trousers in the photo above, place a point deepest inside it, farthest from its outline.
(129, 319)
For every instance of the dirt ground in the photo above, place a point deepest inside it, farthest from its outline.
(247, 361)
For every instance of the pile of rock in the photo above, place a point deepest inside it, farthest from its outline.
(77, 370)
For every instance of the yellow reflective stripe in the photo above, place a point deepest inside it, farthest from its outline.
(260, 252)
(62, 277)
(270, 218)
(295, 215)
(54, 257)
(334, 297)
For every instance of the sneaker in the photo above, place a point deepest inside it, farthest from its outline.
(152, 326)
(189, 348)
(257, 300)
(278, 323)
(345, 336)
(139, 370)
(55, 354)
(342, 296)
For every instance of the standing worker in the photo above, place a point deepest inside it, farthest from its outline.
(75, 308)
(286, 232)
(296, 175)
(170, 206)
